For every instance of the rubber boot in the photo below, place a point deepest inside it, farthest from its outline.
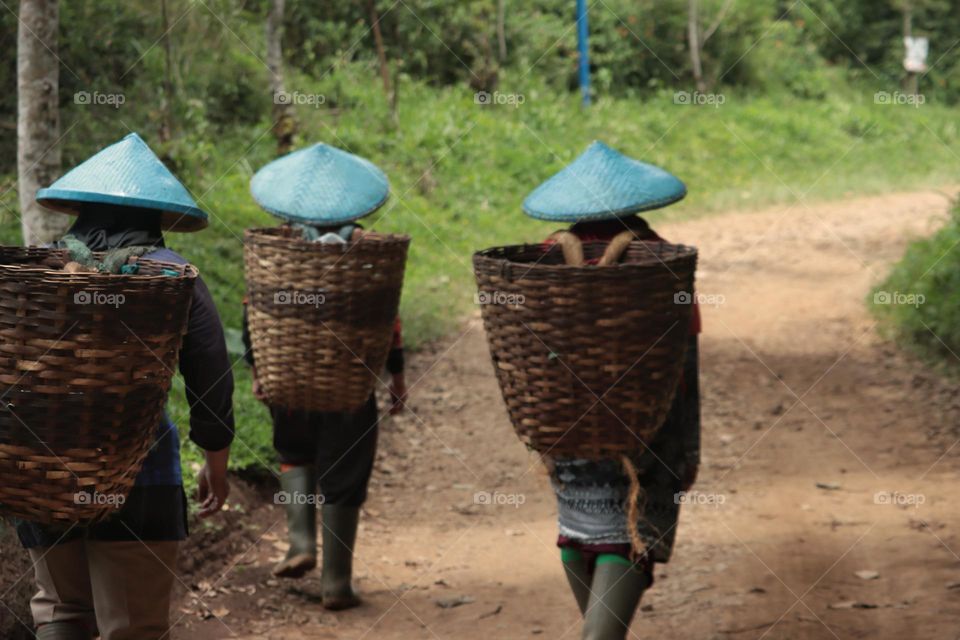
(576, 569)
(300, 486)
(63, 631)
(614, 595)
(339, 535)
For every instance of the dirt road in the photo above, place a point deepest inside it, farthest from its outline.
(826, 508)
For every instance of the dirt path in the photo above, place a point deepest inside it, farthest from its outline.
(798, 390)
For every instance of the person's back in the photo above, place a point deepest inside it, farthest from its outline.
(90, 578)
(610, 536)
(320, 192)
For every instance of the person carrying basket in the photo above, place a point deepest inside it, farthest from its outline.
(607, 558)
(90, 579)
(320, 192)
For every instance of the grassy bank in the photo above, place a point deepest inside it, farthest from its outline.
(917, 302)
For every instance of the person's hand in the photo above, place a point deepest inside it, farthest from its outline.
(213, 487)
(256, 387)
(398, 394)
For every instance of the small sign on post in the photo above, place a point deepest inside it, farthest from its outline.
(917, 50)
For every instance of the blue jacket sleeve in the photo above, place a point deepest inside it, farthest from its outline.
(207, 374)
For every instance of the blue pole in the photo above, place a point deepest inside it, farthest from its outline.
(584, 49)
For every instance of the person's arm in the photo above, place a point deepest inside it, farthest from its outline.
(256, 388)
(690, 425)
(395, 366)
(208, 378)
(395, 359)
(213, 487)
(245, 336)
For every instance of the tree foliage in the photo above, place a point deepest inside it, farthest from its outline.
(638, 47)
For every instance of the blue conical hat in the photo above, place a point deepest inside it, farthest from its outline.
(603, 184)
(127, 173)
(320, 185)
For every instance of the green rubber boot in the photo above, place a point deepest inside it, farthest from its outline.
(575, 568)
(63, 631)
(299, 486)
(615, 593)
(339, 535)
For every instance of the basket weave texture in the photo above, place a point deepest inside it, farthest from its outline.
(588, 358)
(321, 315)
(86, 361)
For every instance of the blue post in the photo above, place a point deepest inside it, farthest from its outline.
(584, 49)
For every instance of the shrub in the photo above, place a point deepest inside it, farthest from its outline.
(918, 300)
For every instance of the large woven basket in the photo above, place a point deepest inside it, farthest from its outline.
(321, 315)
(86, 361)
(588, 358)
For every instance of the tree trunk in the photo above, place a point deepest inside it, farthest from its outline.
(378, 41)
(166, 123)
(38, 121)
(284, 121)
(501, 30)
(382, 57)
(911, 83)
(693, 37)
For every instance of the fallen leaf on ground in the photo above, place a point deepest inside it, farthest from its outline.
(492, 613)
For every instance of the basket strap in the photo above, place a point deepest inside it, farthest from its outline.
(635, 507)
(615, 250)
(571, 245)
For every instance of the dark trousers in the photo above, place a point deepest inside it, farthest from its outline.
(342, 446)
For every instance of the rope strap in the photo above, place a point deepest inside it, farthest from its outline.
(634, 507)
(571, 245)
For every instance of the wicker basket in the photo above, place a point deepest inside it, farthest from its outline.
(588, 358)
(321, 315)
(86, 361)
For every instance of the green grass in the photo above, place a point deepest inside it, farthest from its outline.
(917, 303)
(459, 172)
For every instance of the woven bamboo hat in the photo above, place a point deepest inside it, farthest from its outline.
(320, 185)
(127, 173)
(603, 184)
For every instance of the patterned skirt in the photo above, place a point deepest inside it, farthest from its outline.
(592, 495)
